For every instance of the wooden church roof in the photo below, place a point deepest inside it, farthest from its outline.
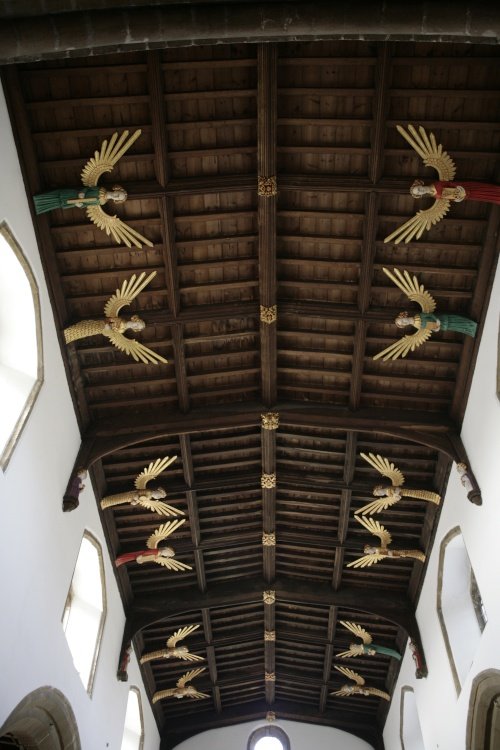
(321, 117)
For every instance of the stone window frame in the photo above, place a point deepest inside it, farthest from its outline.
(11, 443)
(404, 691)
(43, 716)
(270, 730)
(483, 718)
(67, 606)
(135, 689)
(452, 534)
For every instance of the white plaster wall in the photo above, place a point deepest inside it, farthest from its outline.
(443, 714)
(301, 736)
(44, 541)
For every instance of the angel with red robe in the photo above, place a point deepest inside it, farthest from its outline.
(163, 556)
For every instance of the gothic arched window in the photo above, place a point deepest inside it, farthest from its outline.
(461, 611)
(133, 731)
(268, 738)
(85, 610)
(410, 731)
(21, 361)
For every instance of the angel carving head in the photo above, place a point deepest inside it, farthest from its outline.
(158, 494)
(136, 323)
(166, 552)
(117, 194)
(379, 490)
(416, 189)
(404, 319)
(369, 550)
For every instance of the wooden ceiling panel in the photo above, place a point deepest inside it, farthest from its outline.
(321, 118)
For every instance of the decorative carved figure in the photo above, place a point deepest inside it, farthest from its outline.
(173, 651)
(389, 496)
(269, 540)
(367, 648)
(465, 478)
(270, 421)
(148, 499)
(359, 686)
(268, 481)
(71, 499)
(267, 187)
(269, 597)
(443, 191)
(182, 690)
(268, 315)
(92, 197)
(122, 673)
(113, 327)
(271, 716)
(375, 554)
(425, 322)
(420, 668)
(162, 555)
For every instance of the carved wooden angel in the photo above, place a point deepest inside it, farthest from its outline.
(148, 499)
(359, 687)
(161, 555)
(443, 190)
(367, 647)
(426, 322)
(376, 554)
(92, 197)
(389, 495)
(181, 690)
(114, 327)
(173, 651)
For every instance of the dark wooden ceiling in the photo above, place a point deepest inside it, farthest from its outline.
(321, 117)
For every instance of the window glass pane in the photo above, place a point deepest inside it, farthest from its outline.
(132, 733)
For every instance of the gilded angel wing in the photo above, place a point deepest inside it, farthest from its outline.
(180, 634)
(430, 151)
(378, 505)
(355, 649)
(379, 693)
(105, 159)
(162, 694)
(351, 674)
(116, 228)
(134, 348)
(152, 471)
(357, 630)
(403, 346)
(125, 295)
(160, 507)
(375, 528)
(188, 676)
(163, 531)
(172, 564)
(366, 560)
(197, 695)
(385, 467)
(433, 156)
(414, 291)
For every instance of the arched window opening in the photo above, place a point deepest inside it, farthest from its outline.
(483, 724)
(268, 738)
(133, 731)
(21, 361)
(411, 731)
(43, 720)
(84, 611)
(461, 610)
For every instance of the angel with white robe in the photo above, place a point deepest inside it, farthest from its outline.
(426, 322)
(173, 651)
(148, 499)
(164, 556)
(92, 197)
(182, 689)
(389, 495)
(114, 327)
(444, 191)
(376, 554)
(359, 687)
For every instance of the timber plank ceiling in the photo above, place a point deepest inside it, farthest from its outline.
(320, 117)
